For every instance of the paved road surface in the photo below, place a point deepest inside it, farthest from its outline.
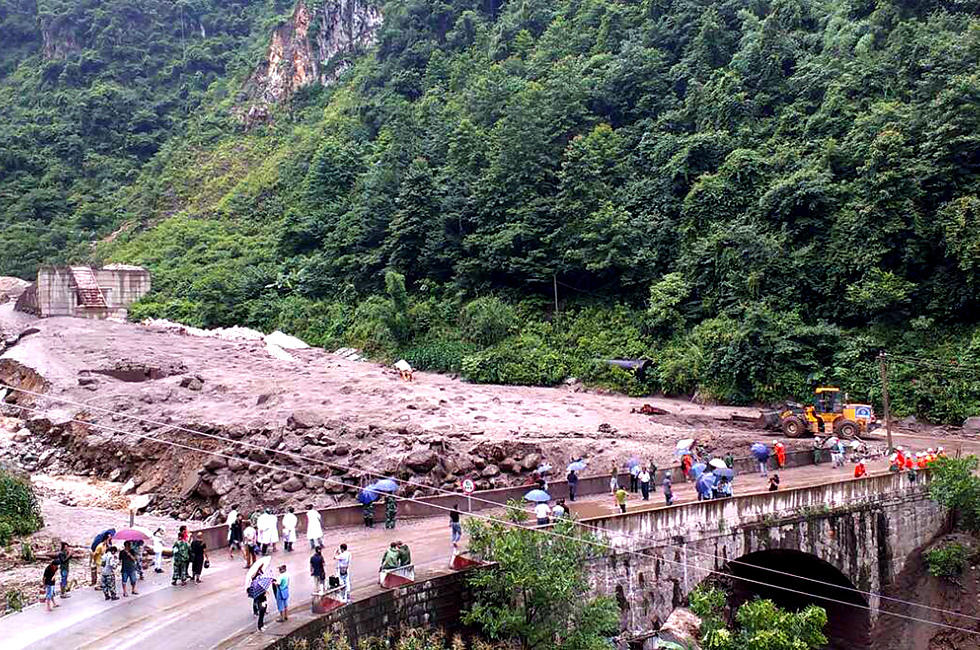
(216, 613)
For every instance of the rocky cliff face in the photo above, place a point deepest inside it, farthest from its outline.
(315, 45)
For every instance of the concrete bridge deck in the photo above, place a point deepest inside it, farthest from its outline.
(217, 613)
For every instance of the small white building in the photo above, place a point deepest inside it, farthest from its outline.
(85, 292)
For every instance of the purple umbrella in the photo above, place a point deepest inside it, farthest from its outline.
(131, 535)
(259, 586)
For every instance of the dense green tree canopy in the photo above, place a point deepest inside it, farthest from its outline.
(758, 193)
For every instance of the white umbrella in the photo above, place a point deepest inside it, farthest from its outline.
(261, 563)
(685, 443)
(718, 463)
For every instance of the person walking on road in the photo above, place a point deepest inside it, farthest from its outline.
(109, 564)
(289, 523)
(318, 570)
(259, 608)
(181, 558)
(199, 557)
(572, 480)
(314, 528)
(158, 550)
(645, 484)
(668, 491)
(47, 581)
(780, 450)
(343, 558)
(391, 511)
(64, 559)
(621, 499)
(127, 561)
(282, 594)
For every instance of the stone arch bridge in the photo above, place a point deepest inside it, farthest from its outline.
(857, 534)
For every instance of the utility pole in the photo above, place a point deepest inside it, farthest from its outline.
(883, 367)
(554, 280)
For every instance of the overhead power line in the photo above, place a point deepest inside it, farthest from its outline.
(420, 485)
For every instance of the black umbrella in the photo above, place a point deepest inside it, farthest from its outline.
(101, 537)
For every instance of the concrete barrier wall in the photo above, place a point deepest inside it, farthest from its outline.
(435, 603)
(435, 506)
(639, 529)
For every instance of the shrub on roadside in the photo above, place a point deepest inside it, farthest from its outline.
(947, 561)
(20, 510)
(487, 320)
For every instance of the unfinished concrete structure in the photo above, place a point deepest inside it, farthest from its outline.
(84, 292)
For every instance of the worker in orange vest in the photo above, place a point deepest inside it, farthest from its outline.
(921, 460)
(859, 469)
(780, 454)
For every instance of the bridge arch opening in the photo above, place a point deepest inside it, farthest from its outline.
(848, 621)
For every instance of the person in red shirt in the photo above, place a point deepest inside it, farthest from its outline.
(780, 454)
(686, 465)
(860, 470)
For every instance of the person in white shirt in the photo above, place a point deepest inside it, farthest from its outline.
(558, 510)
(343, 558)
(289, 522)
(645, 484)
(158, 551)
(249, 535)
(542, 512)
(314, 529)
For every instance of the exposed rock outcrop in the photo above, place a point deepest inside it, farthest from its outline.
(315, 45)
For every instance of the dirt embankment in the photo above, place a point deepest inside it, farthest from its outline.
(959, 595)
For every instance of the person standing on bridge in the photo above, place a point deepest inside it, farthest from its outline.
(780, 450)
(343, 558)
(644, 484)
(455, 528)
(391, 511)
(282, 594)
(668, 490)
(653, 475)
(318, 570)
(572, 480)
(860, 469)
(729, 460)
(289, 522)
(314, 528)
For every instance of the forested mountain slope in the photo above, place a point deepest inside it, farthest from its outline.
(755, 194)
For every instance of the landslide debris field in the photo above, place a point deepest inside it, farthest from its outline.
(320, 405)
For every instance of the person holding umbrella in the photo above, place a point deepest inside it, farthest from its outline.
(367, 497)
(258, 583)
(574, 468)
(127, 560)
(761, 453)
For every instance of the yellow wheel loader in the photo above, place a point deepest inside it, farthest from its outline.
(828, 415)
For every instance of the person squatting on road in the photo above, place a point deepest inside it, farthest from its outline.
(621, 499)
(109, 564)
(391, 560)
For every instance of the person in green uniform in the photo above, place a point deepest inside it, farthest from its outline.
(404, 554)
(182, 558)
(391, 511)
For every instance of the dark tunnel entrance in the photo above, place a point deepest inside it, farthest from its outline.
(848, 627)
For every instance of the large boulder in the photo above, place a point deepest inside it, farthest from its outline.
(682, 627)
(305, 419)
(972, 425)
(422, 461)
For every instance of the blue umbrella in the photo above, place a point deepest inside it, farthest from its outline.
(576, 466)
(760, 451)
(384, 485)
(544, 468)
(538, 496)
(633, 462)
(101, 537)
(725, 473)
(367, 496)
(259, 586)
(705, 484)
(697, 470)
